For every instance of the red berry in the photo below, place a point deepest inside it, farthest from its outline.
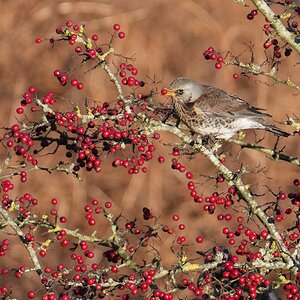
(121, 35)
(181, 226)
(31, 90)
(122, 66)
(114, 269)
(10, 143)
(235, 76)
(74, 82)
(42, 253)
(267, 44)
(69, 23)
(80, 86)
(213, 56)
(220, 59)
(264, 234)
(92, 222)
(63, 78)
(122, 74)
(134, 71)
(116, 27)
(108, 204)
(78, 49)
(54, 201)
(64, 243)
(282, 196)
(57, 73)
(218, 65)
(63, 219)
(161, 159)
(199, 239)
(38, 40)
(250, 17)
(163, 92)
(19, 110)
(95, 37)
(31, 294)
(189, 175)
(254, 12)
(175, 217)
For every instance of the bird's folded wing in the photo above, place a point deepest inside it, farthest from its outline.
(215, 102)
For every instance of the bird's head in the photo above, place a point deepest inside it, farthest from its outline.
(184, 90)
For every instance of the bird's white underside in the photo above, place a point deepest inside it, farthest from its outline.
(237, 125)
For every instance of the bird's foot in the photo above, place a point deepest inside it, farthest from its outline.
(210, 142)
(206, 140)
(216, 146)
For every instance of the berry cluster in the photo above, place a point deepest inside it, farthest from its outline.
(129, 80)
(4, 247)
(252, 14)
(211, 54)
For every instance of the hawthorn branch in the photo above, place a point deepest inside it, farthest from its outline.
(114, 80)
(117, 84)
(257, 70)
(194, 267)
(275, 22)
(272, 153)
(110, 243)
(58, 168)
(29, 246)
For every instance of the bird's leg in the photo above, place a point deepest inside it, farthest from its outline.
(205, 140)
(177, 121)
(192, 143)
(215, 144)
(199, 139)
(212, 142)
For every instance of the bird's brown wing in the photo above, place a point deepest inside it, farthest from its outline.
(215, 102)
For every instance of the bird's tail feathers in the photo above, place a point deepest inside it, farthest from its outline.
(276, 130)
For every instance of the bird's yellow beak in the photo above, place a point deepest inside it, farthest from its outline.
(170, 92)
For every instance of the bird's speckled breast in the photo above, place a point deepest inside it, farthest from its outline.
(188, 116)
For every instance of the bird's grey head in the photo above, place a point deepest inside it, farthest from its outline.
(184, 90)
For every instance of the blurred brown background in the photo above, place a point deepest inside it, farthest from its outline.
(168, 38)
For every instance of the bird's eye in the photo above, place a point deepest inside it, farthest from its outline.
(180, 92)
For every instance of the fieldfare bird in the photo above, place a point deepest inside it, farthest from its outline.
(210, 111)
